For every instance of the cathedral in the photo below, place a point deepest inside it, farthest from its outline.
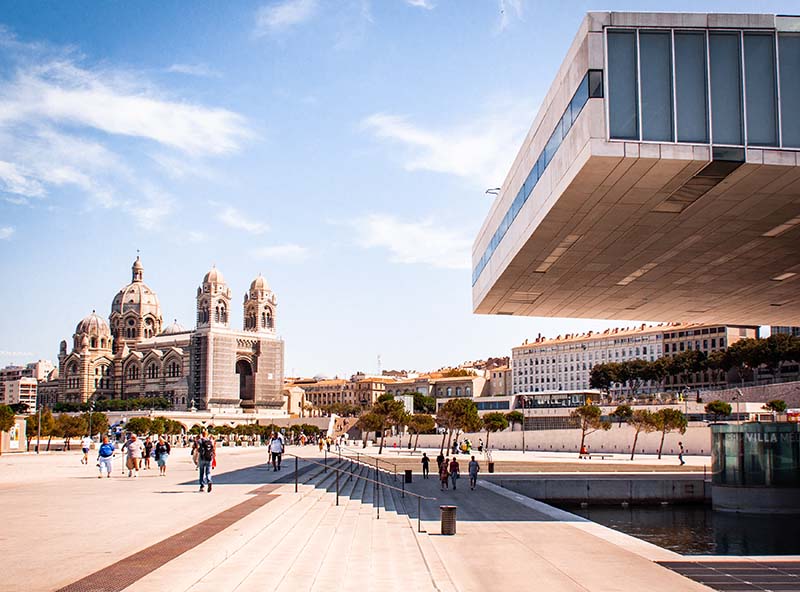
(212, 367)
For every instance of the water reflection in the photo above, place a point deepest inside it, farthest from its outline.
(698, 530)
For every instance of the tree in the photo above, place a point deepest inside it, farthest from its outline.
(601, 377)
(590, 419)
(622, 413)
(99, 422)
(666, 420)
(746, 355)
(776, 406)
(421, 423)
(778, 348)
(370, 422)
(637, 371)
(458, 415)
(718, 409)
(457, 373)
(424, 403)
(687, 363)
(19, 408)
(640, 420)
(70, 427)
(719, 362)
(494, 422)
(514, 417)
(139, 425)
(6, 421)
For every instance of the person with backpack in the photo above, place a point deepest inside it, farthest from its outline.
(276, 449)
(162, 450)
(104, 456)
(206, 448)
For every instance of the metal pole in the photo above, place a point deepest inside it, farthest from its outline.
(325, 470)
(295, 474)
(378, 498)
(404, 489)
(39, 427)
(523, 426)
(419, 514)
(337, 487)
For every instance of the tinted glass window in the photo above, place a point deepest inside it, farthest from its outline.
(762, 95)
(656, 73)
(622, 94)
(789, 49)
(726, 88)
(691, 87)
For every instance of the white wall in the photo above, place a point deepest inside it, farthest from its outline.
(696, 440)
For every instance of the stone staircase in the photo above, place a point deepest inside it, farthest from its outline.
(305, 541)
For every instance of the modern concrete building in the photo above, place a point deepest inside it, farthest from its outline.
(19, 390)
(659, 180)
(565, 363)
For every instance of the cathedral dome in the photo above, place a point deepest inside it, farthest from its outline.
(137, 296)
(214, 276)
(93, 326)
(259, 284)
(174, 328)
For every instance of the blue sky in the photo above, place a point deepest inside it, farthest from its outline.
(340, 148)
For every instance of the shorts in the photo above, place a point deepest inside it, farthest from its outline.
(133, 463)
(85, 450)
(162, 460)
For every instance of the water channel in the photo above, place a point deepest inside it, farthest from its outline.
(698, 530)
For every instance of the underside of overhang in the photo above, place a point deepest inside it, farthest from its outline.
(661, 240)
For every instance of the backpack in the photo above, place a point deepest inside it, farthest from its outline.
(106, 450)
(206, 449)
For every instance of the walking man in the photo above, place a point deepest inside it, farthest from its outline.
(455, 471)
(680, 453)
(425, 465)
(104, 456)
(474, 469)
(206, 448)
(86, 443)
(276, 451)
(439, 460)
(134, 450)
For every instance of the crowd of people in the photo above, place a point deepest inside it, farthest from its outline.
(450, 471)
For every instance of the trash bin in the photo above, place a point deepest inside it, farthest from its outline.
(408, 475)
(448, 519)
(491, 467)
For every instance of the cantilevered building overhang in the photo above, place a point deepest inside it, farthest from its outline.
(660, 179)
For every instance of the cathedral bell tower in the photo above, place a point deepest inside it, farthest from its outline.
(213, 301)
(259, 307)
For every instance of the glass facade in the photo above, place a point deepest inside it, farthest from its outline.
(590, 87)
(756, 454)
(726, 87)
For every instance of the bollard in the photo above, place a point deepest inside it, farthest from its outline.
(448, 519)
(408, 476)
(491, 467)
(337, 487)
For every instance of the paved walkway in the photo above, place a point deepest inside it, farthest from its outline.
(65, 529)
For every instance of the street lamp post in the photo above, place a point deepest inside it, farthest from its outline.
(524, 406)
(39, 423)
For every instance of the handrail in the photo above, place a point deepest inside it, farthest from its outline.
(377, 460)
(377, 483)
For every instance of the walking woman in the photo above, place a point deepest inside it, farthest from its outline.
(162, 450)
(444, 474)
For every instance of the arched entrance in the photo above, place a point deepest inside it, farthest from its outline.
(247, 385)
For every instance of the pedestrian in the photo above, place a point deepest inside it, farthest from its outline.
(104, 456)
(474, 468)
(455, 471)
(162, 450)
(455, 447)
(584, 452)
(680, 453)
(196, 451)
(133, 447)
(148, 448)
(206, 451)
(480, 445)
(86, 444)
(276, 449)
(320, 443)
(439, 460)
(444, 474)
(328, 443)
(425, 465)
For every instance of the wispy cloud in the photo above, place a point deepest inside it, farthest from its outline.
(200, 70)
(288, 253)
(280, 16)
(66, 124)
(481, 150)
(509, 9)
(6, 232)
(426, 242)
(427, 4)
(233, 218)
